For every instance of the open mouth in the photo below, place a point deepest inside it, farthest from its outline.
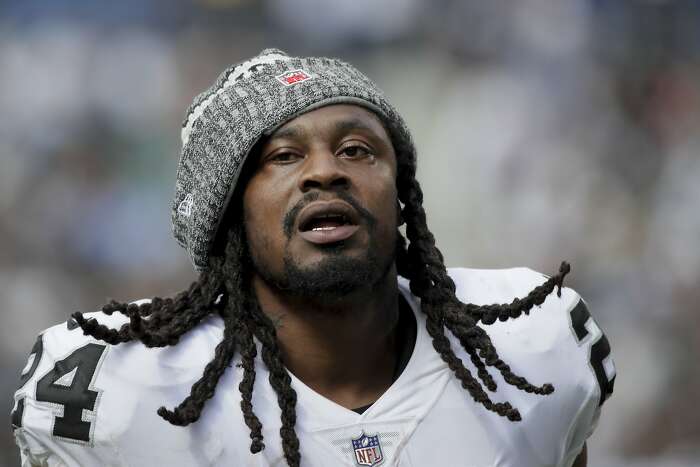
(323, 223)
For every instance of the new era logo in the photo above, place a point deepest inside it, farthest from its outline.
(185, 206)
(293, 77)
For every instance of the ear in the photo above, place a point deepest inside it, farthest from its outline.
(399, 215)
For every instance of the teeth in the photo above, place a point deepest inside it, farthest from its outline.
(316, 229)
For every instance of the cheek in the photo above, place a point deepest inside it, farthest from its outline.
(262, 220)
(386, 213)
(249, 210)
(259, 206)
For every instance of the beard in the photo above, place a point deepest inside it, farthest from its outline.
(336, 275)
(333, 277)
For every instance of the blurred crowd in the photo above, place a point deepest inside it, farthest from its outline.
(546, 131)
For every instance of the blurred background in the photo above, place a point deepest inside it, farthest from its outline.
(546, 130)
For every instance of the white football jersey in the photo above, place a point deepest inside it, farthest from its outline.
(85, 403)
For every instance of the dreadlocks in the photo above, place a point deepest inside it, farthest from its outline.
(224, 290)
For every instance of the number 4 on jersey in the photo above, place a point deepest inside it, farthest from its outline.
(68, 385)
(601, 364)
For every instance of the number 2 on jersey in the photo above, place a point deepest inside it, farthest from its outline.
(600, 350)
(27, 373)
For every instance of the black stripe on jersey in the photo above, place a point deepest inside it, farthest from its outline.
(17, 414)
(600, 350)
(579, 316)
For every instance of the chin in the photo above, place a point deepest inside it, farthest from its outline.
(334, 276)
(328, 272)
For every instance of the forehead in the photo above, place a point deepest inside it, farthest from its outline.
(336, 117)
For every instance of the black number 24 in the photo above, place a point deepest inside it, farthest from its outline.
(600, 350)
(69, 386)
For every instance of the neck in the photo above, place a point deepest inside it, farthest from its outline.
(330, 345)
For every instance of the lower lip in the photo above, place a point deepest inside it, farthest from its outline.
(336, 234)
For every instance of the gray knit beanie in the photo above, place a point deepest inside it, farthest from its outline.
(249, 100)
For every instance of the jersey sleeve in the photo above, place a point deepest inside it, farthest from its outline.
(575, 355)
(557, 342)
(56, 406)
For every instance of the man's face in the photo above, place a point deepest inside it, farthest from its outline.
(320, 208)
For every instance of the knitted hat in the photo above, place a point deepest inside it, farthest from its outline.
(249, 100)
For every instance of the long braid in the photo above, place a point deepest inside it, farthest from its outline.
(236, 280)
(248, 354)
(263, 329)
(479, 364)
(281, 383)
(168, 319)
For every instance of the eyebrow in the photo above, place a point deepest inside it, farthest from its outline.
(352, 124)
(290, 132)
(295, 132)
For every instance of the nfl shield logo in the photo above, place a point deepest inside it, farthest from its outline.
(293, 77)
(368, 450)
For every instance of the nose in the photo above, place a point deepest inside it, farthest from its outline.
(322, 170)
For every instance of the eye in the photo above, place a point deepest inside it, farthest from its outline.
(284, 157)
(355, 151)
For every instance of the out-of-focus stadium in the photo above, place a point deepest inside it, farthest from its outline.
(546, 130)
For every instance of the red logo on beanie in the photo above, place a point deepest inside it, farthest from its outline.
(290, 78)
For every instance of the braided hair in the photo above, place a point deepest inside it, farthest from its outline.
(224, 290)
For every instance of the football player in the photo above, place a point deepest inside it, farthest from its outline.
(317, 334)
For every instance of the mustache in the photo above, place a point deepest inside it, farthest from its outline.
(291, 215)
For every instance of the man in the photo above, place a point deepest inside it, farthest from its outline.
(316, 334)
